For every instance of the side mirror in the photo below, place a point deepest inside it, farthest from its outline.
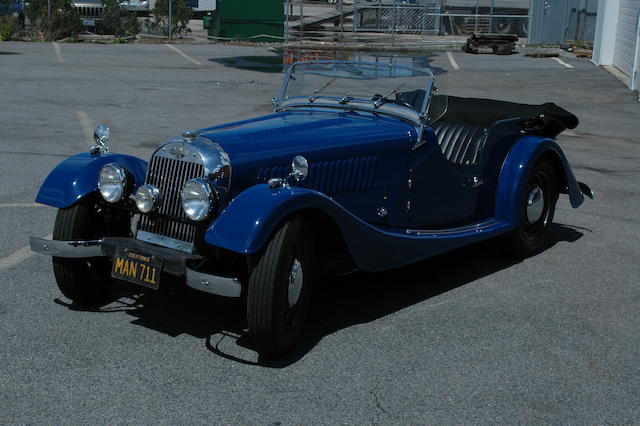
(102, 134)
(299, 172)
(101, 137)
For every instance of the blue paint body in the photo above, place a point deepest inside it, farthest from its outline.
(360, 162)
(247, 223)
(517, 166)
(77, 177)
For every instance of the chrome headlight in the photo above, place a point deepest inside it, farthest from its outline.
(198, 199)
(112, 182)
(147, 198)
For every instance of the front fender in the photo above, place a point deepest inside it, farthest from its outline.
(248, 221)
(77, 176)
(515, 172)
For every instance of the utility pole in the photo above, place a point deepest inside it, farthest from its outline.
(170, 19)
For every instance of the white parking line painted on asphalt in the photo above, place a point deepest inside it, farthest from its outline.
(453, 62)
(21, 205)
(86, 124)
(20, 256)
(181, 53)
(563, 63)
(56, 48)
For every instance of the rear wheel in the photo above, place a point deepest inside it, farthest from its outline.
(539, 202)
(279, 289)
(86, 281)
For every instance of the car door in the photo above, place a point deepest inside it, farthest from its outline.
(441, 194)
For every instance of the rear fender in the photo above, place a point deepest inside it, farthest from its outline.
(515, 172)
(77, 177)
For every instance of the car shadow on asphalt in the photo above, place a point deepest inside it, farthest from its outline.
(279, 61)
(337, 303)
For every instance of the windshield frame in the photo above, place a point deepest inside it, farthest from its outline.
(392, 109)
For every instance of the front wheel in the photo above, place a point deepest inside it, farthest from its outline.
(86, 281)
(279, 289)
(540, 195)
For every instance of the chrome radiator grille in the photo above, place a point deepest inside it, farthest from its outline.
(169, 175)
(89, 12)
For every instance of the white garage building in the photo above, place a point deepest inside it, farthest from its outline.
(617, 38)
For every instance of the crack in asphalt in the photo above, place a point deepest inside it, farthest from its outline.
(379, 408)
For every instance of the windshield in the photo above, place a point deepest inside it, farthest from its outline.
(350, 82)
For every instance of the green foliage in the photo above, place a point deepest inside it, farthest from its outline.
(118, 21)
(9, 27)
(64, 20)
(181, 14)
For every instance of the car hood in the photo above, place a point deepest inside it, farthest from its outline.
(317, 133)
(263, 147)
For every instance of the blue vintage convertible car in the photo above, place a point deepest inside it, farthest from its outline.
(361, 166)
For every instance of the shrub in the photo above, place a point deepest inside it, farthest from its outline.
(118, 21)
(64, 20)
(181, 14)
(9, 27)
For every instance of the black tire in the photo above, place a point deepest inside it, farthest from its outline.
(274, 323)
(524, 28)
(502, 26)
(532, 233)
(85, 281)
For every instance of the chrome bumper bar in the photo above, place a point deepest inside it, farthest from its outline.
(213, 284)
(71, 249)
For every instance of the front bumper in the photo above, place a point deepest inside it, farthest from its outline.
(174, 261)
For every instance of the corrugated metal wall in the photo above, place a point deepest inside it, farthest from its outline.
(626, 36)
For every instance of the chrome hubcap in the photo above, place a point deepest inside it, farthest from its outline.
(535, 204)
(296, 277)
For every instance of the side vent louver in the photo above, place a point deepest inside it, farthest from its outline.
(332, 177)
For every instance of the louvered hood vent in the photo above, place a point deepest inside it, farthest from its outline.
(331, 177)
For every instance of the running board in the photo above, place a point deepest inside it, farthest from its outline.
(461, 230)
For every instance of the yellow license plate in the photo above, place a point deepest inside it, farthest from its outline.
(137, 267)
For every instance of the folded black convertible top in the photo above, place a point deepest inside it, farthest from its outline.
(547, 119)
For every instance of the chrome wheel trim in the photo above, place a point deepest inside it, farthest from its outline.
(535, 205)
(296, 278)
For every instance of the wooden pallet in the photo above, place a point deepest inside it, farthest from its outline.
(498, 44)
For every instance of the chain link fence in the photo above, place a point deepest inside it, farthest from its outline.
(403, 21)
(60, 19)
(373, 23)
(215, 20)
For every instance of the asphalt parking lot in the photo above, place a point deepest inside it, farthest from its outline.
(467, 337)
